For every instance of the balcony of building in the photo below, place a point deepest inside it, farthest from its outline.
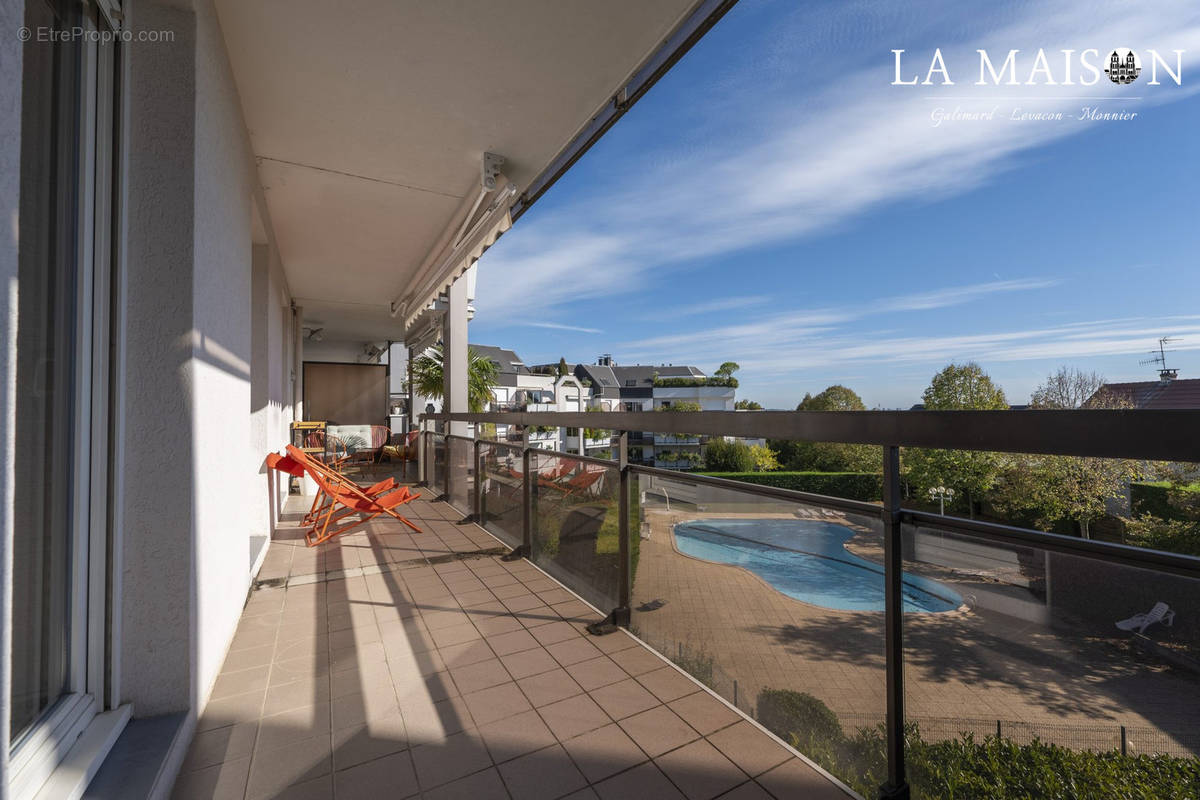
(858, 625)
(400, 664)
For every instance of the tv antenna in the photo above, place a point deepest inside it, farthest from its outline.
(1165, 373)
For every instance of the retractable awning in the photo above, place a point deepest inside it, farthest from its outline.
(369, 129)
(453, 260)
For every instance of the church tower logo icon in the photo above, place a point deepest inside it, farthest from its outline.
(1123, 66)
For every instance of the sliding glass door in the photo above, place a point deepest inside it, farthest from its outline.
(60, 538)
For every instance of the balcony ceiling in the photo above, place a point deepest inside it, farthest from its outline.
(369, 127)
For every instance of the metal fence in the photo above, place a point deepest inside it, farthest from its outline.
(1099, 736)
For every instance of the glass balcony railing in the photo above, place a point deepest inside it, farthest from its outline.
(501, 499)
(907, 652)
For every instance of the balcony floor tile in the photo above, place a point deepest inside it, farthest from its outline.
(401, 664)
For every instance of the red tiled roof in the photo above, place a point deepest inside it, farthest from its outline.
(1159, 394)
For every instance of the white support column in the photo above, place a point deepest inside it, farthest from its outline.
(413, 411)
(297, 363)
(454, 355)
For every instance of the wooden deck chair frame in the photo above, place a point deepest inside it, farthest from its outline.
(351, 497)
(289, 466)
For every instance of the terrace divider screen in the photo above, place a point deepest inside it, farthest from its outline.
(460, 453)
(501, 511)
(1036, 651)
(575, 526)
(776, 605)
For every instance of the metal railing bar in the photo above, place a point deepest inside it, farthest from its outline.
(509, 445)
(604, 462)
(1126, 555)
(1112, 552)
(773, 492)
(893, 634)
(1169, 435)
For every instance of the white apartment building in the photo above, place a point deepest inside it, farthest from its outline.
(520, 388)
(649, 388)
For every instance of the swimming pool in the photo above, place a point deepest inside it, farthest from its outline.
(807, 560)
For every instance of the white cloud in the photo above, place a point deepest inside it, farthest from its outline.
(724, 304)
(559, 327)
(791, 328)
(791, 165)
(767, 159)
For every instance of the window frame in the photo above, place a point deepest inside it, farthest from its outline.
(76, 720)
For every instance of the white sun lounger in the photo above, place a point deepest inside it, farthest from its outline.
(1139, 622)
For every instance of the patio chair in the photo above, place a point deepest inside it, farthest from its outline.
(334, 450)
(1139, 622)
(365, 449)
(290, 466)
(346, 498)
(578, 484)
(403, 448)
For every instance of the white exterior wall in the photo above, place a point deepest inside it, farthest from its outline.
(226, 469)
(340, 352)
(710, 398)
(208, 371)
(157, 649)
(270, 391)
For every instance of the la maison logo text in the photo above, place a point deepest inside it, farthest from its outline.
(1062, 68)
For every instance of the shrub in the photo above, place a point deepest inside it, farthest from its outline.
(1172, 535)
(1154, 499)
(697, 663)
(953, 769)
(864, 486)
(725, 456)
(786, 713)
(715, 380)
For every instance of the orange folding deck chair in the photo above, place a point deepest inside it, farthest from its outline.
(290, 466)
(347, 498)
(579, 483)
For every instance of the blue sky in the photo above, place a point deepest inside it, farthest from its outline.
(775, 201)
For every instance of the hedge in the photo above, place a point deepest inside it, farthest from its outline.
(866, 486)
(1153, 498)
(961, 768)
(694, 382)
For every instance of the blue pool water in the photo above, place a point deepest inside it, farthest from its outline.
(806, 560)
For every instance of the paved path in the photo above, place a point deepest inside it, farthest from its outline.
(960, 665)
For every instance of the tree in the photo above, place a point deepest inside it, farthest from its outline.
(563, 369)
(747, 405)
(764, 458)
(963, 387)
(829, 456)
(1052, 488)
(834, 398)
(726, 370)
(1069, 387)
(482, 377)
(958, 388)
